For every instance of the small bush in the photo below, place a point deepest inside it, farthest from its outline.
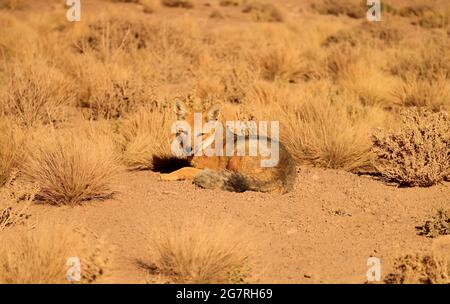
(12, 4)
(202, 252)
(39, 256)
(329, 134)
(14, 202)
(420, 269)
(438, 225)
(230, 2)
(144, 136)
(281, 63)
(432, 94)
(417, 154)
(350, 8)
(10, 149)
(71, 167)
(179, 3)
(150, 6)
(263, 11)
(34, 92)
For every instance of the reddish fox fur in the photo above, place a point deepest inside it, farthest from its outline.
(233, 173)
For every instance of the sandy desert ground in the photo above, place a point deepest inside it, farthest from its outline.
(85, 115)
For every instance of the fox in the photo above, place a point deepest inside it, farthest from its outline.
(231, 173)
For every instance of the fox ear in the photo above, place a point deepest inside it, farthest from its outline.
(180, 110)
(213, 113)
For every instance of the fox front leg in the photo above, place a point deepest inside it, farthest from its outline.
(181, 174)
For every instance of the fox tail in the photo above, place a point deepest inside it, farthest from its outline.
(230, 181)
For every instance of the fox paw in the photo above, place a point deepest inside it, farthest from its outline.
(168, 178)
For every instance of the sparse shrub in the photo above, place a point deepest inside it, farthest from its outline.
(179, 3)
(435, 20)
(281, 63)
(108, 33)
(342, 60)
(71, 167)
(150, 6)
(109, 90)
(14, 202)
(263, 11)
(10, 149)
(438, 225)
(417, 9)
(417, 154)
(202, 252)
(330, 134)
(420, 268)
(367, 33)
(39, 256)
(230, 2)
(433, 94)
(369, 85)
(351, 8)
(428, 62)
(426, 15)
(216, 14)
(12, 4)
(143, 136)
(34, 92)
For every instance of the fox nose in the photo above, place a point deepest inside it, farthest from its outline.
(187, 151)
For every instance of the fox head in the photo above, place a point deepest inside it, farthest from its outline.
(193, 132)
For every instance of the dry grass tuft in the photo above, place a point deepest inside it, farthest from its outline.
(71, 167)
(150, 6)
(420, 269)
(34, 92)
(39, 255)
(263, 11)
(231, 2)
(179, 3)
(12, 4)
(417, 154)
(281, 63)
(438, 225)
(350, 8)
(109, 90)
(202, 252)
(14, 202)
(144, 136)
(432, 94)
(10, 149)
(330, 134)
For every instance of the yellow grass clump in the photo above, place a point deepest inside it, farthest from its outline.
(263, 11)
(330, 133)
(179, 3)
(10, 149)
(11, 4)
(40, 255)
(34, 92)
(14, 202)
(201, 252)
(144, 136)
(71, 167)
